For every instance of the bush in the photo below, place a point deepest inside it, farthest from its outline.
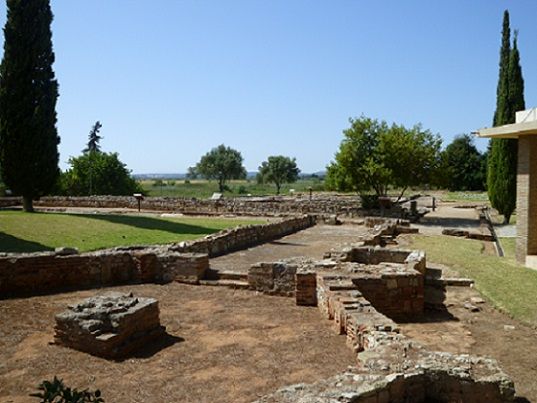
(158, 183)
(370, 202)
(57, 392)
(242, 190)
(98, 173)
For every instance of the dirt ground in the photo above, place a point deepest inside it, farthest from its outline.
(312, 242)
(222, 346)
(488, 332)
(233, 346)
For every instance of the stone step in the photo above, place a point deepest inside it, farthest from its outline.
(236, 284)
(451, 281)
(232, 275)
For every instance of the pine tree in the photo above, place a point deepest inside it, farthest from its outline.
(93, 139)
(502, 161)
(28, 93)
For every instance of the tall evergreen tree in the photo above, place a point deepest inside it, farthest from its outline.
(94, 139)
(516, 81)
(502, 161)
(28, 93)
(501, 115)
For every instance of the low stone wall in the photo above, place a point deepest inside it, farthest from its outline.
(10, 201)
(231, 240)
(48, 272)
(264, 206)
(391, 367)
(368, 255)
(37, 273)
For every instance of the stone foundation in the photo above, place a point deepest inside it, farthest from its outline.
(110, 326)
(49, 272)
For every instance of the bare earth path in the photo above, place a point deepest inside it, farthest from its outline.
(312, 242)
(223, 346)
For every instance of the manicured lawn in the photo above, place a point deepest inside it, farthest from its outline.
(25, 232)
(507, 285)
(478, 197)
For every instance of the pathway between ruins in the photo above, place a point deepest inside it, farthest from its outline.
(312, 242)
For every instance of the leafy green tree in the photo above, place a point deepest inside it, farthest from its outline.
(109, 176)
(411, 156)
(192, 173)
(28, 93)
(94, 139)
(278, 170)
(463, 165)
(375, 156)
(221, 163)
(502, 159)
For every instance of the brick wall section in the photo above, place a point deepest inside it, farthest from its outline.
(526, 242)
(265, 206)
(38, 273)
(44, 273)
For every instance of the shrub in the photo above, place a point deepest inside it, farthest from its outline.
(57, 392)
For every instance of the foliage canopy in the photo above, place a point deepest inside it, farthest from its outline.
(375, 156)
(463, 166)
(99, 173)
(278, 170)
(28, 94)
(502, 161)
(221, 163)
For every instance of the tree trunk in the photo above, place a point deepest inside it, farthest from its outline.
(278, 188)
(506, 219)
(27, 204)
(401, 195)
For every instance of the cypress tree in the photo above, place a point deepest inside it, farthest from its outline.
(502, 161)
(516, 81)
(28, 93)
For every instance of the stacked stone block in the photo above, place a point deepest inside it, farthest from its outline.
(110, 326)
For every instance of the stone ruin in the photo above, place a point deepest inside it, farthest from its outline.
(362, 289)
(112, 326)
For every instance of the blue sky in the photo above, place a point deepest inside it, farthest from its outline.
(169, 80)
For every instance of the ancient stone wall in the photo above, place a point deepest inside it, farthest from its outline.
(231, 240)
(10, 201)
(265, 206)
(390, 367)
(46, 272)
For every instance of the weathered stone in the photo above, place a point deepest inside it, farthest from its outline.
(113, 325)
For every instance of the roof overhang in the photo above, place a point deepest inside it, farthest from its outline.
(511, 131)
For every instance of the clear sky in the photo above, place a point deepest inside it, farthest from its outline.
(169, 80)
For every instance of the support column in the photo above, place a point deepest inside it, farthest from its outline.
(526, 207)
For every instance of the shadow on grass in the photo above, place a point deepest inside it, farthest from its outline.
(150, 223)
(450, 222)
(9, 243)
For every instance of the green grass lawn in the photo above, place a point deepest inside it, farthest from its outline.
(474, 197)
(203, 189)
(509, 286)
(32, 232)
